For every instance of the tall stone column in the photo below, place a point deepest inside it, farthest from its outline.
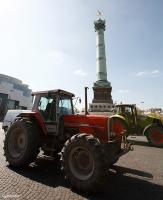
(102, 100)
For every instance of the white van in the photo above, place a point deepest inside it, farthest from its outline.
(10, 117)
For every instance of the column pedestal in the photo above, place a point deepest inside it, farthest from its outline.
(102, 100)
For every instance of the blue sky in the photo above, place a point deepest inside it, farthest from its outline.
(51, 44)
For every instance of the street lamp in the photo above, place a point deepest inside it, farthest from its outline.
(142, 102)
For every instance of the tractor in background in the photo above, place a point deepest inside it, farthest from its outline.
(87, 144)
(127, 118)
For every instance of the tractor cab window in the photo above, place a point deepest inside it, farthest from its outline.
(124, 111)
(120, 110)
(128, 110)
(47, 108)
(65, 106)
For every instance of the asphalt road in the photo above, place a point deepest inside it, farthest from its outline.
(138, 175)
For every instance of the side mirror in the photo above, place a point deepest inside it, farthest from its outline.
(76, 100)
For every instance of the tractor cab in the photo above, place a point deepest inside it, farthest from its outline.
(128, 111)
(52, 106)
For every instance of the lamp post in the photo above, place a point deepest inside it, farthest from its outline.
(142, 102)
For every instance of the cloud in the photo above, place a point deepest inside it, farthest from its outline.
(123, 91)
(155, 72)
(143, 73)
(80, 72)
(148, 73)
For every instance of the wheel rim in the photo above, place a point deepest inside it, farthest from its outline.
(81, 163)
(156, 137)
(17, 143)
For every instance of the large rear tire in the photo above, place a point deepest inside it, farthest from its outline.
(83, 162)
(154, 135)
(21, 145)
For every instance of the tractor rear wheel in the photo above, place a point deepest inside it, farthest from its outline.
(83, 162)
(21, 145)
(155, 135)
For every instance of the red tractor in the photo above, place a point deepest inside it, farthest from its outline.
(88, 144)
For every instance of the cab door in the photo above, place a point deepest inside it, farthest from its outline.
(47, 109)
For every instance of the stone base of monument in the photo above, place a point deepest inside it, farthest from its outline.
(100, 107)
(108, 114)
(102, 95)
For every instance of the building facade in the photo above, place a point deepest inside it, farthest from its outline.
(13, 95)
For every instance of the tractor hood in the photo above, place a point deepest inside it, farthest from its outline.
(91, 124)
(145, 120)
(154, 116)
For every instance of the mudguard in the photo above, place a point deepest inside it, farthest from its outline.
(37, 117)
(154, 134)
(145, 131)
(121, 118)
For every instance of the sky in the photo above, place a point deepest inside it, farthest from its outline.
(51, 44)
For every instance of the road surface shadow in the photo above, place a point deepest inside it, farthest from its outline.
(120, 186)
(124, 170)
(142, 141)
(122, 183)
(44, 171)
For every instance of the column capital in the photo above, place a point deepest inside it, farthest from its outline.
(102, 84)
(99, 24)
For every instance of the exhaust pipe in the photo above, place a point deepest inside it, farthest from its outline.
(86, 101)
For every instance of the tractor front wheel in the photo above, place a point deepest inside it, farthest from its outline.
(83, 162)
(154, 135)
